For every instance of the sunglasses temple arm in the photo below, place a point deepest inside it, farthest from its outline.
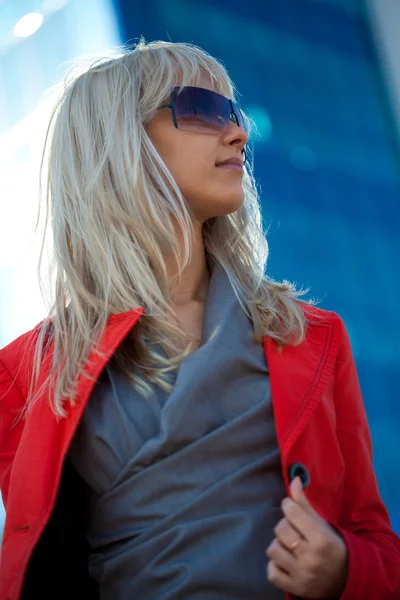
(173, 111)
(172, 107)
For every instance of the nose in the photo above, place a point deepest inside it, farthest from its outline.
(236, 136)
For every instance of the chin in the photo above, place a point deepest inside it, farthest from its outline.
(228, 205)
(217, 205)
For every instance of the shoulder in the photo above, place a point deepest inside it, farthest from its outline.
(334, 326)
(317, 316)
(336, 331)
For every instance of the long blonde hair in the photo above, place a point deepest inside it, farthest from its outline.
(111, 203)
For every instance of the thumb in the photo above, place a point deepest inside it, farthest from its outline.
(298, 495)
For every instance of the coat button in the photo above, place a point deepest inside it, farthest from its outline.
(299, 470)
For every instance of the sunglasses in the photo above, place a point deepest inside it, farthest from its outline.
(202, 111)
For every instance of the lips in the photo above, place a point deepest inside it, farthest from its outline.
(231, 161)
(231, 167)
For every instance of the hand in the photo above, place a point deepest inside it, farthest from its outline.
(317, 567)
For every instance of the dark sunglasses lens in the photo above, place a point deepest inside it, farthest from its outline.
(200, 110)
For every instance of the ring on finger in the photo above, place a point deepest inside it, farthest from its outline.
(294, 545)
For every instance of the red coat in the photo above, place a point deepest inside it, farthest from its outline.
(320, 423)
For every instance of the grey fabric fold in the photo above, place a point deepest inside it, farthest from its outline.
(185, 488)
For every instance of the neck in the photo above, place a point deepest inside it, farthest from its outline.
(194, 283)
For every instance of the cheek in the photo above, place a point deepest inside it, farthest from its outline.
(208, 191)
(192, 173)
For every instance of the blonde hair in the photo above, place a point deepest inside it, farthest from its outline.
(111, 203)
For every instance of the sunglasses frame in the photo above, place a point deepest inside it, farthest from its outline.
(232, 117)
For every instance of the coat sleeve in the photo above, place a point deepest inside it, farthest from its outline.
(373, 548)
(11, 403)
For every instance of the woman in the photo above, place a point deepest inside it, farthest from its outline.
(158, 428)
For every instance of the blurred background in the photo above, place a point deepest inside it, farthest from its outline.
(321, 78)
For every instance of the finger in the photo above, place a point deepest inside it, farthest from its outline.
(280, 579)
(284, 559)
(306, 524)
(287, 534)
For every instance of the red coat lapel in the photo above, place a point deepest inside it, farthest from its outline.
(298, 376)
(45, 439)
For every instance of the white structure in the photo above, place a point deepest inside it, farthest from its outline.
(385, 24)
(89, 27)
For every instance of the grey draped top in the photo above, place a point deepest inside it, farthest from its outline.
(185, 488)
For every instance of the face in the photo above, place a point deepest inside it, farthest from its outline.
(192, 158)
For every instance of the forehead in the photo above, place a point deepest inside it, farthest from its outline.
(202, 80)
(205, 82)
